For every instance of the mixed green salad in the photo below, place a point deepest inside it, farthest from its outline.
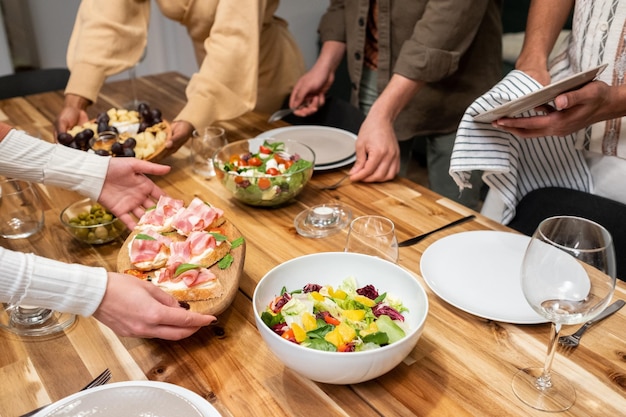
(345, 319)
(269, 175)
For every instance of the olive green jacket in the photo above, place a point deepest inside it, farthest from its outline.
(455, 46)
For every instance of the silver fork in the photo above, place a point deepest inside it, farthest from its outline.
(573, 340)
(101, 379)
(335, 185)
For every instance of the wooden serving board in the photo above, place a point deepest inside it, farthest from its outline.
(229, 277)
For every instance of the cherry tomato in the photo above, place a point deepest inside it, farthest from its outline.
(239, 179)
(279, 159)
(264, 183)
(255, 162)
(288, 163)
(272, 171)
(265, 149)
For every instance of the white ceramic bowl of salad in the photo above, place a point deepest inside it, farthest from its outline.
(264, 172)
(362, 361)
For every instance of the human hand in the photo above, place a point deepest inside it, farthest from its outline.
(127, 189)
(309, 93)
(377, 152)
(574, 111)
(73, 114)
(181, 132)
(137, 308)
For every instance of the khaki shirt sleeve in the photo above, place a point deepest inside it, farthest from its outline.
(445, 31)
(108, 37)
(226, 84)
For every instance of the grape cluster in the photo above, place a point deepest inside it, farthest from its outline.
(148, 117)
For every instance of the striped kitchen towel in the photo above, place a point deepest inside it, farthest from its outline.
(512, 166)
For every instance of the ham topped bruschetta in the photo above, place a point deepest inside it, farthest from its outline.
(175, 246)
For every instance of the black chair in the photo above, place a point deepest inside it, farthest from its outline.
(547, 202)
(23, 83)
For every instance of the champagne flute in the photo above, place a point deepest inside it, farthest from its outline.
(568, 277)
(373, 235)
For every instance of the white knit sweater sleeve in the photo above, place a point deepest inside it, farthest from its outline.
(25, 157)
(28, 279)
(35, 280)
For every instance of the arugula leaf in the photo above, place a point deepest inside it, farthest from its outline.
(226, 261)
(143, 236)
(219, 237)
(380, 298)
(237, 242)
(184, 268)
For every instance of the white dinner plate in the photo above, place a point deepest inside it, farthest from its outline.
(333, 147)
(539, 97)
(479, 272)
(132, 399)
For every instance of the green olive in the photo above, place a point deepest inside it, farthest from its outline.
(101, 232)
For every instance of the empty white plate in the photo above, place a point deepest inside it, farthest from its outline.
(133, 399)
(479, 272)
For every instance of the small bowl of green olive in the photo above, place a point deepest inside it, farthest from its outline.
(90, 222)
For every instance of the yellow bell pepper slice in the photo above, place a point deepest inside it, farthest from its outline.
(354, 315)
(308, 321)
(367, 302)
(298, 332)
(334, 337)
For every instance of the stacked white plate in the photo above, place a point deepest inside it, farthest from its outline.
(334, 148)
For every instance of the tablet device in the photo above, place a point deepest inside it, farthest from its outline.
(540, 97)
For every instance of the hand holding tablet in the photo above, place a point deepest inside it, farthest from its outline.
(540, 97)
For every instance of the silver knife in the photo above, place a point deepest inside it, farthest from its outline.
(414, 240)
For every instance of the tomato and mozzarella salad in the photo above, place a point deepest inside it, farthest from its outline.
(267, 174)
(342, 319)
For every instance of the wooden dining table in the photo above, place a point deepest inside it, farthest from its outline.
(461, 366)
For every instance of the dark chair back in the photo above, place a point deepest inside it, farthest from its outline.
(547, 202)
(24, 83)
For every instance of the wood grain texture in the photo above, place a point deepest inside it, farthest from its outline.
(461, 366)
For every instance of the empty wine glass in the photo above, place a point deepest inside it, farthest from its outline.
(373, 235)
(132, 77)
(204, 143)
(568, 277)
(22, 216)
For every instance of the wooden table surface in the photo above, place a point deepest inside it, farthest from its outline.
(461, 366)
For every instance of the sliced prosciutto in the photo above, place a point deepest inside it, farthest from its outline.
(190, 277)
(161, 217)
(196, 217)
(146, 247)
(193, 250)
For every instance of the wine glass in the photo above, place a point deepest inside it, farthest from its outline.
(204, 143)
(568, 277)
(373, 235)
(132, 77)
(22, 216)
